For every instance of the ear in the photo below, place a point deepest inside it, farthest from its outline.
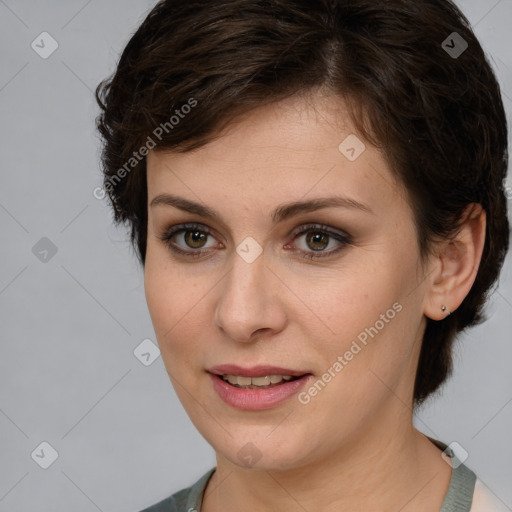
(454, 265)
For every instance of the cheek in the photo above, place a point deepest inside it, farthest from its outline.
(352, 300)
(372, 320)
(177, 306)
(170, 310)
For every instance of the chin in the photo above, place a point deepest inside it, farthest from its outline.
(261, 454)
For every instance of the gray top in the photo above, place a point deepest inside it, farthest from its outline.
(458, 498)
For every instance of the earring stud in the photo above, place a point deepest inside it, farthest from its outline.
(444, 309)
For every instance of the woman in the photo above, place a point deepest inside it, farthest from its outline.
(315, 192)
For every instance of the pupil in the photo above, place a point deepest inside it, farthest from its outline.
(316, 238)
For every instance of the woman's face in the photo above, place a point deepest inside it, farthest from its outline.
(336, 292)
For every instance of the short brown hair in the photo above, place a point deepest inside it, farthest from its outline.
(437, 115)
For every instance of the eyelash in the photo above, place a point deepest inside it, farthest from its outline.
(344, 238)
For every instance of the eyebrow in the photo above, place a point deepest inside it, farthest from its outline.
(281, 213)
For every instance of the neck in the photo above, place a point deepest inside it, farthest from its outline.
(385, 470)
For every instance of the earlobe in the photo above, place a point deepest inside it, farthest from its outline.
(457, 261)
(444, 309)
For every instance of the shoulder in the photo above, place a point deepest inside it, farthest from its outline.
(485, 501)
(185, 500)
(174, 503)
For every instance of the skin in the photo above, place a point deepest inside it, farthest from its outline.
(353, 447)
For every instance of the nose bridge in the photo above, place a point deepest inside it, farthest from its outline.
(247, 300)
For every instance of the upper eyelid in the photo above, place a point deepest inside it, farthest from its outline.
(320, 227)
(302, 227)
(178, 228)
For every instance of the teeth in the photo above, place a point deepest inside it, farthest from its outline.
(232, 379)
(244, 381)
(266, 381)
(261, 381)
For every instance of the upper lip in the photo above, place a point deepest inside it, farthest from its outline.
(254, 371)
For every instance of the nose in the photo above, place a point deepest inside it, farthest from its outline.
(249, 305)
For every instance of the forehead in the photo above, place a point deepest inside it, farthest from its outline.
(299, 148)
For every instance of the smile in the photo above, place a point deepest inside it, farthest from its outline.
(252, 396)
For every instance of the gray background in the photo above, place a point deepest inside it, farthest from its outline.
(69, 325)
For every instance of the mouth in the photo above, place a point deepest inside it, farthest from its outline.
(257, 387)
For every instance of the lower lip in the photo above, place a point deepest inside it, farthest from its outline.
(257, 399)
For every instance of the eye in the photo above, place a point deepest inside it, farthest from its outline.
(190, 240)
(317, 238)
(187, 236)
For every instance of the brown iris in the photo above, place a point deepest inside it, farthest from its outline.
(316, 237)
(195, 237)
